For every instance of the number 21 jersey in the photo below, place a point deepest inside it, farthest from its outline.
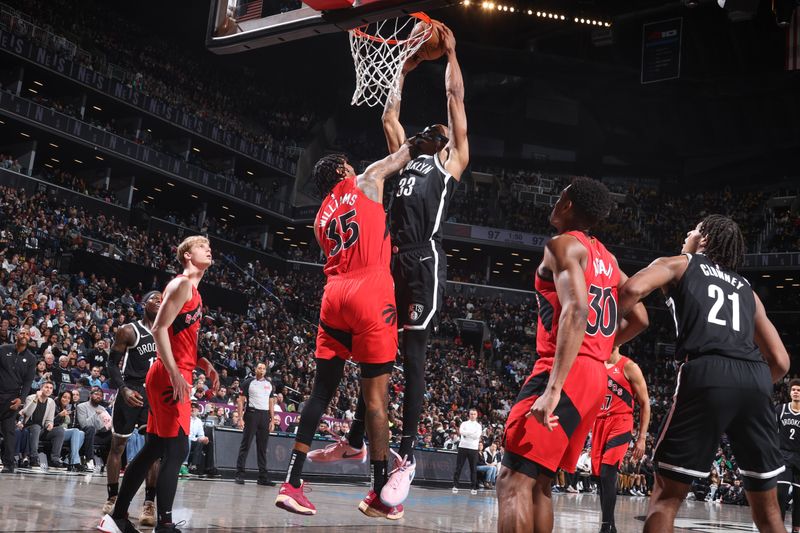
(714, 312)
(352, 230)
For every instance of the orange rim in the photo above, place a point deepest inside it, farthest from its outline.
(418, 15)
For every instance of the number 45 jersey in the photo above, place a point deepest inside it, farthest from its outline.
(358, 317)
(713, 311)
(602, 280)
(352, 230)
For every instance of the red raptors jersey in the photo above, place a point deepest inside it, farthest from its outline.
(352, 230)
(619, 397)
(184, 330)
(602, 278)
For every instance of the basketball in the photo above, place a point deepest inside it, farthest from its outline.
(433, 48)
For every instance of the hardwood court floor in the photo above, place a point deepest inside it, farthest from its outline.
(47, 502)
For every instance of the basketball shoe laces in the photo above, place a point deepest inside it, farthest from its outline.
(395, 481)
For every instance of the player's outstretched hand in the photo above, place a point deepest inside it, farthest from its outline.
(180, 388)
(542, 410)
(446, 34)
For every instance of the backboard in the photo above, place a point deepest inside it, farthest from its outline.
(240, 25)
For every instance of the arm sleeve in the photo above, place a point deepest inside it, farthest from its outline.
(114, 373)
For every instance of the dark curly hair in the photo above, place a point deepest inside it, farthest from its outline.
(327, 173)
(591, 200)
(724, 241)
(794, 383)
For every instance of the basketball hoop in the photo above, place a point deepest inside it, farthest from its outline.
(380, 49)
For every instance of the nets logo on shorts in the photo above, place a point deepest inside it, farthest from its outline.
(390, 315)
(415, 312)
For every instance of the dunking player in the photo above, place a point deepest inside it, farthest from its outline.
(168, 385)
(611, 433)
(135, 348)
(789, 426)
(576, 287)
(357, 315)
(417, 209)
(725, 384)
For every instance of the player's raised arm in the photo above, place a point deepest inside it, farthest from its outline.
(770, 343)
(177, 293)
(635, 322)
(563, 257)
(392, 129)
(456, 114)
(371, 181)
(660, 273)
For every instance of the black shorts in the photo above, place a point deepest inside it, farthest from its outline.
(716, 395)
(420, 276)
(790, 476)
(126, 419)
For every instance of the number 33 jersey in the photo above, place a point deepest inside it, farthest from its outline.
(352, 230)
(602, 279)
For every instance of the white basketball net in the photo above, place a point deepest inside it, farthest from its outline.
(379, 52)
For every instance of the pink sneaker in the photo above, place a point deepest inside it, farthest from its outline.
(372, 506)
(293, 500)
(338, 451)
(397, 486)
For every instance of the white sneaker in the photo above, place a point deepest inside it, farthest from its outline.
(90, 465)
(397, 486)
(473, 492)
(455, 490)
(109, 525)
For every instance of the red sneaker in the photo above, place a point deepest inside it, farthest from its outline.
(338, 451)
(372, 506)
(293, 500)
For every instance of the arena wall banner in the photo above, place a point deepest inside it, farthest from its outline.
(31, 51)
(433, 466)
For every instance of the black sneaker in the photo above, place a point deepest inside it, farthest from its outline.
(239, 479)
(266, 482)
(57, 465)
(24, 462)
(213, 472)
(169, 528)
(79, 468)
(608, 528)
(7, 469)
(34, 463)
(116, 525)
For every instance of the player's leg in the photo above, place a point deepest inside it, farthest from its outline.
(327, 378)
(175, 449)
(543, 505)
(375, 387)
(668, 495)
(414, 348)
(783, 489)
(690, 435)
(153, 449)
(608, 494)
(517, 496)
(754, 442)
(356, 436)
(113, 463)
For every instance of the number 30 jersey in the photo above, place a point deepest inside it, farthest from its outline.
(713, 311)
(602, 279)
(352, 230)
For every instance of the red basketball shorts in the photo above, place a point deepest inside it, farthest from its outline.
(358, 317)
(531, 447)
(167, 415)
(610, 439)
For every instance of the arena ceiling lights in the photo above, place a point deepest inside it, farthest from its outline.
(559, 17)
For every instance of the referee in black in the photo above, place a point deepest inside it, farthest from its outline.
(17, 368)
(257, 422)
